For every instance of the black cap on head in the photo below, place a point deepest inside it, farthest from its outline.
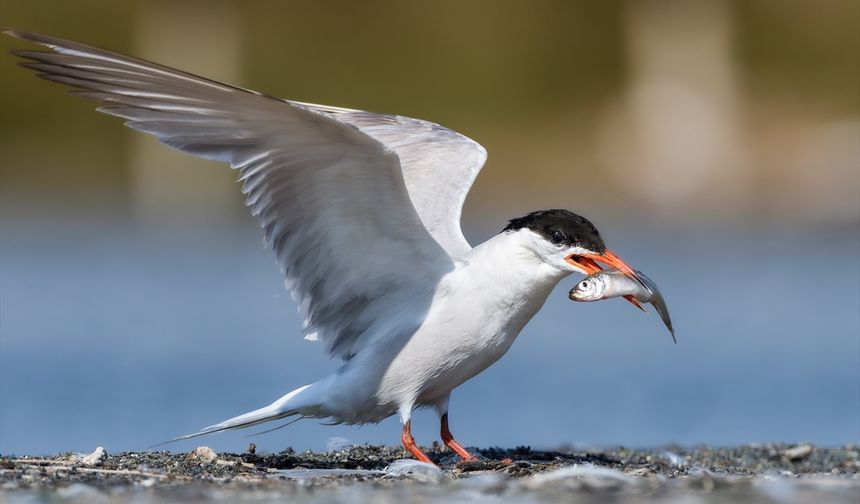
(561, 227)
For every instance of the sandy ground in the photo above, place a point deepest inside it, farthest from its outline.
(754, 473)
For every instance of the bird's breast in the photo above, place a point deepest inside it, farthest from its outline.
(472, 322)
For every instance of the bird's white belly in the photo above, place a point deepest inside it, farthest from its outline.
(460, 337)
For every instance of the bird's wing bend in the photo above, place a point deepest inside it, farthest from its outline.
(439, 166)
(326, 185)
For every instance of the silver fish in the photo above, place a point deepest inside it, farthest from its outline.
(612, 283)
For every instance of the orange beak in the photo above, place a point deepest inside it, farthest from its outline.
(588, 263)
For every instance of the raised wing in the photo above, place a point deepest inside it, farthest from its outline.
(331, 199)
(439, 166)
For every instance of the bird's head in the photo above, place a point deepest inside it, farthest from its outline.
(567, 241)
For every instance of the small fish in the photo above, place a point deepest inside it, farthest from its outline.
(612, 283)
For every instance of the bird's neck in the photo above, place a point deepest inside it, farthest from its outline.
(512, 271)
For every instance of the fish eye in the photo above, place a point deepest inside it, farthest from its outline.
(584, 284)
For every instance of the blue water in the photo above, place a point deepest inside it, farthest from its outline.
(113, 338)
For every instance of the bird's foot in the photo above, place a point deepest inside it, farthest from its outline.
(411, 446)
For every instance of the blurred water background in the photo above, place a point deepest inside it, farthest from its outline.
(715, 144)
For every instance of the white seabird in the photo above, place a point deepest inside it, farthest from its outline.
(362, 212)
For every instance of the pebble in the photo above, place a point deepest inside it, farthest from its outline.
(148, 483)
(799, 452)
(96, 458)
(674, 459)
(420, 471)
(588, 472)
(204, 453)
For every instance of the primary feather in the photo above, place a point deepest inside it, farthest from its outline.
(342, 195)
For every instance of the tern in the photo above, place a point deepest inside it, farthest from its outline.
(362, 212)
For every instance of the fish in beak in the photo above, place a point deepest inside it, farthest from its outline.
(589, 263)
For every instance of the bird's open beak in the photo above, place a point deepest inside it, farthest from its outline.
(588, 263)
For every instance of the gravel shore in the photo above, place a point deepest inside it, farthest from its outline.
(753, 473)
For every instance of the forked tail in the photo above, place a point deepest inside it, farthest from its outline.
(296, 403)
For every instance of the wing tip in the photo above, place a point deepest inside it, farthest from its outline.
(37, 38)
(12, 32)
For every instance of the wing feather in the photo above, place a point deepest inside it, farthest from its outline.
(331, 198)
(439, 166)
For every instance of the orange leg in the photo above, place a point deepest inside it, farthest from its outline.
(451, 443)
(409, 444)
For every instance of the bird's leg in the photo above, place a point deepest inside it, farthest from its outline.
(452, 443)
(409, 443)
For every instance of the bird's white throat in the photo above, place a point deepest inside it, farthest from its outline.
(513, 263)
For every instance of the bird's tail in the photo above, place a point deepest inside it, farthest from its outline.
(299, 402)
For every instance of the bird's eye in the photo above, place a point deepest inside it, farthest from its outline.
(557, 237)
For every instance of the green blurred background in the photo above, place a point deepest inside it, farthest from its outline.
(671, 109)
(716, 144)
